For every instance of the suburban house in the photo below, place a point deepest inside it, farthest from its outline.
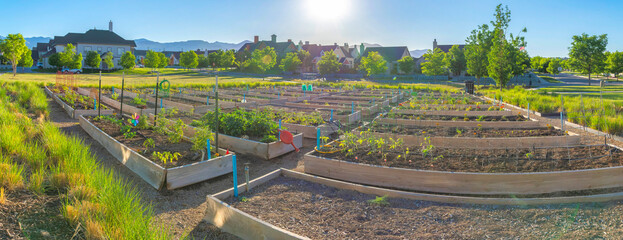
(342, 52)
(390, 54)
(281, 48)
(446, 48)
(102, 41)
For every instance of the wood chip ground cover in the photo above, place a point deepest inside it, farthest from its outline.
(320, 212)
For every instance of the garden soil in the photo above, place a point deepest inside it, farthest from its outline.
(182, 209)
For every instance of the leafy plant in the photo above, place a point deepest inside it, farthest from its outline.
(427, 147)
(149, 143)
(480, 118)
(139, 101)
(268, 139)
(114, 96)
(176, 131)
(166, 157)
(200, 138)
(379, 201)
(129, 135)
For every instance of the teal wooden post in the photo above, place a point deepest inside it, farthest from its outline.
(235, 172)
(318, 138)
(209, 149)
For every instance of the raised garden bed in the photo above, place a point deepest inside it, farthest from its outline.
(452, 113)
(311, 201)
(458, 132)
(134, 153)
(452, 170)
(79, 109)
(433, 115)
(461, 124)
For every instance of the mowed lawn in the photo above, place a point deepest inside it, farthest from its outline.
(91, 80)
(614, 93)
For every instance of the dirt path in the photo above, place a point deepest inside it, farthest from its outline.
(182, 209)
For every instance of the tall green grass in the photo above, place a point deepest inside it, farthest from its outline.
(104, 206)
(604, 115)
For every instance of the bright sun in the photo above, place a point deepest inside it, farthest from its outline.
(327, 10)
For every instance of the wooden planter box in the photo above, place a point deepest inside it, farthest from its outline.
(157, 176)
(487, 143)
(464, 182)
(464, 124)
(245, 226)
(311, 131)
(454, 113)
(249, 147)
(75, 113)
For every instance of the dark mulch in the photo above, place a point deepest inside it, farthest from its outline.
(465, 132)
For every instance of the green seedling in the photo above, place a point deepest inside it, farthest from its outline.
(379, 201)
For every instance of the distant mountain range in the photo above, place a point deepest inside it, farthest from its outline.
(418, 52)
(145, 44)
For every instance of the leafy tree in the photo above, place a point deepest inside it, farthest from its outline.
(306, 60)
(213, 58)
(55, 60)
(163, 60)
(587, 53)
(227, 58)
(13, 48)
(553, 66)
(406, 64)
(152, 59)
(189, 59)
(203, 62)
(615, 63)
(455, 60)
(328, 63)
(505, 51)
(26, 60)
(435, 63)
(477, 51)
(69, 58)
(128, 60)
(93, 59)
(262, 60)
(373, 64)
(544, 64)
(290, 63)
(108, 60)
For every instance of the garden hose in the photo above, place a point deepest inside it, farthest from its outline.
(327, 152)
(168, 85)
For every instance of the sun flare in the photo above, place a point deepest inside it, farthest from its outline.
(327, 10)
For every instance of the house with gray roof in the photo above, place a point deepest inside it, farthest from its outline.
(281, 48)
(101, 41)
(390, 54)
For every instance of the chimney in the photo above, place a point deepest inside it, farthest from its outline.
(334, 44)
(346, 45)
(110, 26)
(273, 38)
(434, 44)
(306, 42)
(289, 40)
(361, 48)
(256, 39)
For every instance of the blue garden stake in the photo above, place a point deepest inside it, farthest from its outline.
(352, 107)
(208, 100)
(318, 138)
(161, 103)
(278, 95)
(213, 88)
(331, 118)
(235, 172)
(113, 89)
(244, 97)
(247, 87)
(528, 110)
(279, 134)
(208, 147)
(95, 104)
(562, 122)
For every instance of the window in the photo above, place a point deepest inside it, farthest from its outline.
(120, 51)
(110, 49)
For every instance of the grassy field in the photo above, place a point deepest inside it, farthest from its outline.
(589, 110)
(194, 79)
(582, 89)
(549, 79)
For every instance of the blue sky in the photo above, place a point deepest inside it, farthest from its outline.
(388, 22)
